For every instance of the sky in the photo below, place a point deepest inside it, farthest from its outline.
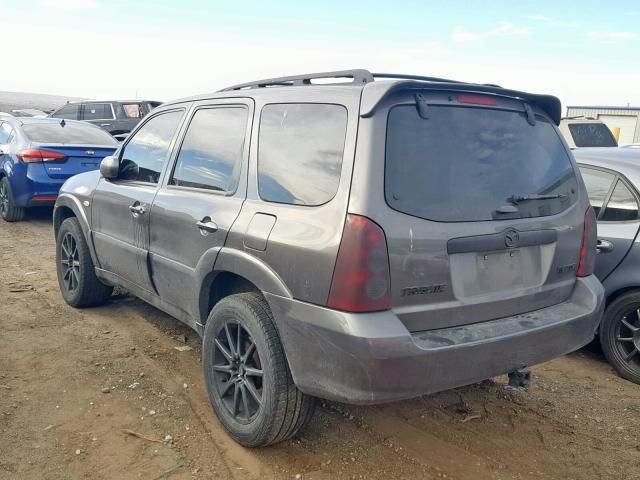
(586, 53)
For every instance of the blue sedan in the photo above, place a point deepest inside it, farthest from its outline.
(37, 155)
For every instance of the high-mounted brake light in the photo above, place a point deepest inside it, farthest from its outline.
(588, 250)
(478, 100)
(39, 156)
(361, 279)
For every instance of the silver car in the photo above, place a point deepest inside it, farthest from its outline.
(351, 236)
(612, 177)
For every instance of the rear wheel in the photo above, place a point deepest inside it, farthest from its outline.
(620, 335)
(247, 376)
(76, 273)
(8, 210)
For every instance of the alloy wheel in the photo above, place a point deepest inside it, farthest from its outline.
(70, 262)
(238, 372)
(4, 199)
(627, 333)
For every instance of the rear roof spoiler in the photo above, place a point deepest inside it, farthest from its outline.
(374, 92)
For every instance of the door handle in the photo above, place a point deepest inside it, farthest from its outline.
(105, 124)
(206, 225)
(137, 209)
(604, 246)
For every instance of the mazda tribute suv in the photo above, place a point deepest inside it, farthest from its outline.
(350, 236)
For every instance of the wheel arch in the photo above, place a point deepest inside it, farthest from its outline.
(236, 271)
(68, 206)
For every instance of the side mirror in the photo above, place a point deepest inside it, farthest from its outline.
(110, 167)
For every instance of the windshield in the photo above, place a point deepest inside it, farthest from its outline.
(71, 133)
(470, 163)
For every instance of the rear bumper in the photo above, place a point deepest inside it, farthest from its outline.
(373, 358)
(33, 181)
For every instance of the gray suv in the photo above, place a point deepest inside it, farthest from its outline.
(351, 236)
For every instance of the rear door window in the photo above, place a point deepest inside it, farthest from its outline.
(598, 184)
(592, 135)
(300, 150)
(622, 206)
(97, 111)
(144, 156)
(463, 163)
(70, 112)
(211, 153)
(6, 133)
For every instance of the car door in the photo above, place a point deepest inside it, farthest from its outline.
(616, 204)
(120, 212)
(201, 197)
(100, 114)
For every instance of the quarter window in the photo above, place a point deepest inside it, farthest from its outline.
(144, 156)
(97, 111)
(69, 112)
(598, 184)
(622, 206)
(300, 150)
(211, 154)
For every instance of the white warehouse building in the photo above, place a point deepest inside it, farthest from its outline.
(624, 122)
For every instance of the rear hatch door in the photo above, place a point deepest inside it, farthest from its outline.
(485, 210)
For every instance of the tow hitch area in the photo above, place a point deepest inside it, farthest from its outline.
(519, 379)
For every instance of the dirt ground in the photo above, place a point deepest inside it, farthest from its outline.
(577, 421)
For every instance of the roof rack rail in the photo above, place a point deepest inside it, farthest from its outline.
(402, 76)
(357, 76)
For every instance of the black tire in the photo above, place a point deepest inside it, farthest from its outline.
(76, 273)
(8, 210)
(620, 335)
(284, 409)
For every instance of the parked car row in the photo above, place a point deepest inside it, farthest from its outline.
(452, 242)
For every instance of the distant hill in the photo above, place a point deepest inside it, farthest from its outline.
(17, 100)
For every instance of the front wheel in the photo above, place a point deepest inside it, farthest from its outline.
(620, 335)
(76, 273)
(8, 210)
(247, 376)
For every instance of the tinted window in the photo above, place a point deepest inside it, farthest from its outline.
(132, 110)
(462, 164)
(6, 133)
(300, 151)
(97, 111)
(146, 153)
(622, 205)
(70, 133)
(211, 154)
(598, 184)
(69, 111)
(592, 135)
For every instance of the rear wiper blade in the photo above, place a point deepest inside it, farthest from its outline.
(515, 199)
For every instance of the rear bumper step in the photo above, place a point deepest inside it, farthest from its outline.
(372, 358)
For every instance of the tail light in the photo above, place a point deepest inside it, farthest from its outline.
(40, 156)
(588, 250)
(361, 279)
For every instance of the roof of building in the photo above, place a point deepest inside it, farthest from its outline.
(603, 107)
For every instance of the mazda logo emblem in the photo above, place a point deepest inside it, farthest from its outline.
(511, 238)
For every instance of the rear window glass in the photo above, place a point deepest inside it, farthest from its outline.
(592, 135)
(71, 133)
(464, 163)
(300, 149)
